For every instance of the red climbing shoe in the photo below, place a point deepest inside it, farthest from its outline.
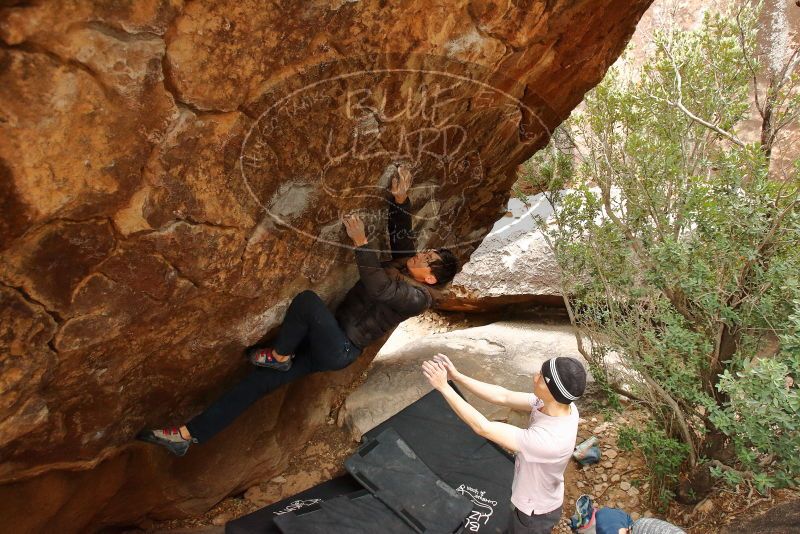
(170, 438)
(263, 357)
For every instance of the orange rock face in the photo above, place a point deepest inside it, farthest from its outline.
(171, 175)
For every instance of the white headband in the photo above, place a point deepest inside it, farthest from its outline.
(557, 380)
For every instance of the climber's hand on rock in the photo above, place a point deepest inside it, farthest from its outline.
(401, 184)
(355, 229)
(444, 361)
(435, 373)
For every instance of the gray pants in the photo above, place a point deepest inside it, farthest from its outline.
(533, 524)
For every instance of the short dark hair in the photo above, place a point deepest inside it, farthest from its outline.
(445, 268)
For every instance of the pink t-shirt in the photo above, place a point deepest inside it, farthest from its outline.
(545, 447)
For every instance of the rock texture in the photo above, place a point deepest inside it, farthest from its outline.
(504, 353)
(172, 174)
(513, 266)
(778, 519)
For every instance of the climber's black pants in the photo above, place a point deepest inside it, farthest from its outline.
(311, 333)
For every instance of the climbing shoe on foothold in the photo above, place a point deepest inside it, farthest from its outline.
(263, 357)
(170, 438)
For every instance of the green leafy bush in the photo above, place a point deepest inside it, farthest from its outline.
(679, 247)
(663, 454)
(762, 415)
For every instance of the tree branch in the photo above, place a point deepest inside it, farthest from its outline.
(747, 59)
(746, 475)
(676, 410)
(735, 140)
(576, 330)
(679, 104)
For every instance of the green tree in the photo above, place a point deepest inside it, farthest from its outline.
(679, 248)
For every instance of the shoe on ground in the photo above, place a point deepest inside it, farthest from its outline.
(263, 357)
(169, 438)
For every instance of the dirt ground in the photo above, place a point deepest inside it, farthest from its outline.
(617, 481)
(324, 457)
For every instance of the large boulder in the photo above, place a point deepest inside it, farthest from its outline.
(172, 174)
(514, 265)
(507, 353)
(777, 519)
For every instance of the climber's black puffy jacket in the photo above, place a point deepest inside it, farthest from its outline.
(380, 301)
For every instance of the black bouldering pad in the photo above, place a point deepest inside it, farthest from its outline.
(472, 465)
(263, 521)
(391, 470)
(357, 513)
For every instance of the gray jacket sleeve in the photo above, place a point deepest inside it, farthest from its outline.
(401, 296)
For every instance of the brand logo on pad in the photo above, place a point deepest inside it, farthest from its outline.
(482, 510)
(297, 505)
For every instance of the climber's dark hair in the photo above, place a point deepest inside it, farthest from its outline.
(444, 269)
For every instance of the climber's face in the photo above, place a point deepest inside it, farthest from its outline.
(540, 388)
(419, 266)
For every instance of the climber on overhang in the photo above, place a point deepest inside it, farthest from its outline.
(312, 339)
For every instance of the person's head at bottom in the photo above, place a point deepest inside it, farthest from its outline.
(561, 379)
(651, 525)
